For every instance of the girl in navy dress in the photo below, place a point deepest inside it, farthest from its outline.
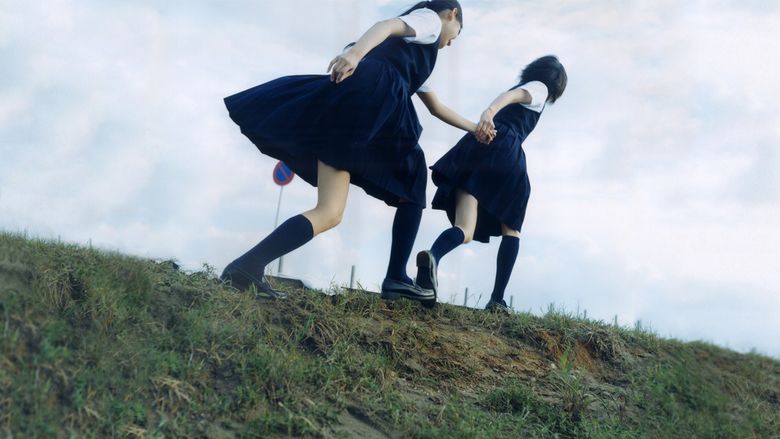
(357, 125)
(485, 189)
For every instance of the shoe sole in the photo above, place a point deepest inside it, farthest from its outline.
(426, 272)
(395, 295)
(389, 296)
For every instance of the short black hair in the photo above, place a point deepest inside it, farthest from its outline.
(550, 72)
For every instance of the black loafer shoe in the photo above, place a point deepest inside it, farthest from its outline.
(242, 281)
(394, 289)
(498, 306)
(426, 271)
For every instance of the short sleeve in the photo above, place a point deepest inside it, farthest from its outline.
(425, 88)
(538, 92)
(426, 24)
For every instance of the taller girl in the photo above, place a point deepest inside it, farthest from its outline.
(357, 125)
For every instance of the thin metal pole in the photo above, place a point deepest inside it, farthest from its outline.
(466, 297)
(278, 206)
(352, 279)
(511, 299)
(276, 223)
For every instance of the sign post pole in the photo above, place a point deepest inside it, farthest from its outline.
(282, 177)
(276, 224)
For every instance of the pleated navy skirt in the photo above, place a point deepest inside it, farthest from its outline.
(365, 125)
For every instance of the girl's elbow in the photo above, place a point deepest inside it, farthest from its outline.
(395, 27)
(521, 97)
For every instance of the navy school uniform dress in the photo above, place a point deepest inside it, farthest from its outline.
(366, 125)
(495, 174)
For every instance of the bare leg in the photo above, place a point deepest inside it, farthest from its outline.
(461, 233)
(332, 190)
(248, 269)
(466, 214)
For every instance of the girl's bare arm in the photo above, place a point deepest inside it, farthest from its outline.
(449, 116)
(344, 65)
(516, 96)
(446, 114)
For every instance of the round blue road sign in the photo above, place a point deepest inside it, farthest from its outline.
(282, 174)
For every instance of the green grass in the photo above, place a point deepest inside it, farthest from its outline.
(96, 344)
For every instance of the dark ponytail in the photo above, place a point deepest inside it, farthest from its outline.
(438, 6)
(549, 71)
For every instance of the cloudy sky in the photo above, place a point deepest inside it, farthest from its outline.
(656, 191)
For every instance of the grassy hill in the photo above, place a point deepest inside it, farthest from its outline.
(96, 344)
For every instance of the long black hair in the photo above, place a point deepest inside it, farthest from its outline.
(550, 72)
(434, 5)
(438, 6)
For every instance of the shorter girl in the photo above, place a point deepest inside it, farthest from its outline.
(485, 189)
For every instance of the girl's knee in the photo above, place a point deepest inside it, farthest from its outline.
(332, 218)
(468, 233)
(508, 231)
(324, 219)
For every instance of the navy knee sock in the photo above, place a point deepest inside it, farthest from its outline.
(290, 235)
(405, 226)
(447, 242)
(505, 261)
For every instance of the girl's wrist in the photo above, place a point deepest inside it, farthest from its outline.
(352, 53)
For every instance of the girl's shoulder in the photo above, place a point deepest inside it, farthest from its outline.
(426, 24)
(538, 92)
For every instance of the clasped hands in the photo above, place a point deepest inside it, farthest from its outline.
(486, 129)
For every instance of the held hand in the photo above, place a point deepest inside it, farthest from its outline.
(485, 136)
(343, 66)
(486, 139)
(486, 125)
